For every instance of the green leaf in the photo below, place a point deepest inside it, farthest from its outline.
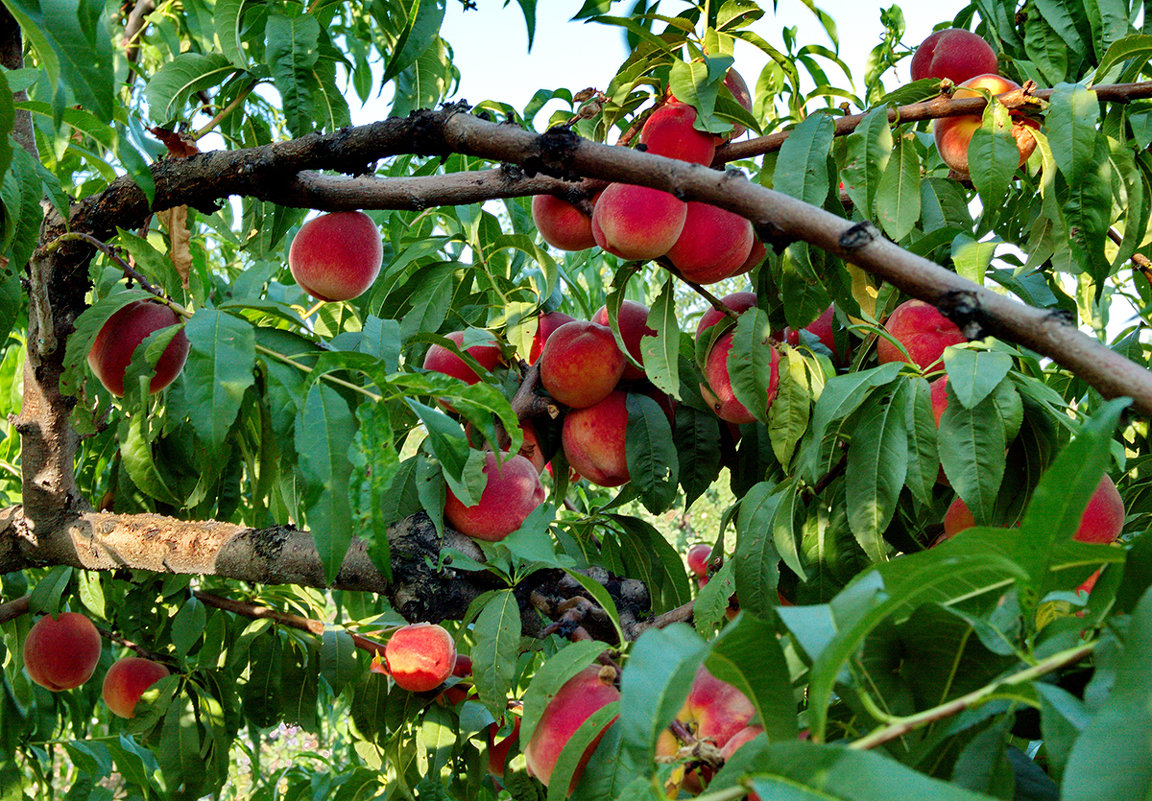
(923, 452)
(291, 47)
(1120, 733)
(756, 558)
(338, 663)
(661, 353)
(221, 360)
(972, 258)
(972, 443)
(993, 159)
(497, 633)
(136, 456)
(1137, 47)
(420, 30)
(898, 192)
(188, 625)
(651, 453)
(749, 655)
(229, 18)
(186, 74)
(974, 374)
(788, 415)
(325, 429)
(843, 394)
(48, 591)
(877, 466)
(868, 151)
(1071, 126)
(752, 362)
(802, 168)
(697, 451)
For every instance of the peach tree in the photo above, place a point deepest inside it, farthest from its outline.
(924, 574)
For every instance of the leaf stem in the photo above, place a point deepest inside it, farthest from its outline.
(340, 382)
(901, 726)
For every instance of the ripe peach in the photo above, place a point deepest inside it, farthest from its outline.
(336, 256)
(955, 54)
(512, 493)
(562, 225)
(953, 134)
(1103, 518)
(635, 222)
(717, 390)
(755, 257)
(698, 556)
(594, 441)
(737, 302)
(821, 328)
(739, 89)
(498, 751)
(546, 323)
(938, 393)
(60, 653)
(713, 245)
(923, 331)
(420, 656)
(633, 320)
(579, 698)
(112, 350)
(738, 739)
(441, 360)
(958, 518)
(669, 132)
(580, 364)
(127, 680)
(459, 692)
(530, 449)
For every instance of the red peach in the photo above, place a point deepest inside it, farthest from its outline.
(718, 390)
(441, 360)
(923, 331)
(669, 132)
(740, 93)
(127, 680)
(698, 556)
(458, 692)
(635, 222)
(955, 54)
(594, 441)
(512, 492)
(545, 324)
(953, 134)
(958, 518)
(112, 350)
(738, 739)
(738, 302)
(581, 696)
(60, 653)
(938, 393)
(755, 257)
(336, 256)
(562, 225)
(530, 449)
(821, 328)
(1088, 584)
(633, 320)
(1103, 518)
(498, 751)
(420, 656)
(713, 245)
(580, 364)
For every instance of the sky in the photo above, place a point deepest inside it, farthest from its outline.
(491, 44)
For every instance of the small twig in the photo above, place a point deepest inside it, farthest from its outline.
(680, 614)
(140, 650)
(134, 28)
(109, 251)
(224, 112)
(717, 304)
(528, 403)
(833, 473)
(1139, 260)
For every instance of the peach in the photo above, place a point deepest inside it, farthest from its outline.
(1103, 518)
(498, 751)
(740, 93)
(561, 224)
(713, 245)
(580, 364)
(545, 324)
(633, 320)
(738, 739)
(531, 449)
(127, 680)
(635, 222)
(512, 492)
(112, 350)
(755, 257)
(581, 696)
(441, 360)
(669, 132)
(958, 518)
(698, 556)
(923, 331)
(336, 256)
(938, 393)
(821, 328)
(717, 390)
(738, 302)
(953, 134)
(420, 656)
(593, 441)
(60, 653)
(955, 54)
(459, 692)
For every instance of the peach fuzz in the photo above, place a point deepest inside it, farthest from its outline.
(594, 441)
(953, 134)
(955, 54)
(336, 256)
(127, 680)
(581, 696)
(713, 245)
(738, 302)
(561, 224)
(717, 390)
(122, 333)
(420, 657)
(923, 331)
(669, 132)
(635, 222)
(512, 492)
(441, 360)
(61, 653)
(633, 321)
(580, 364)
(546, 323)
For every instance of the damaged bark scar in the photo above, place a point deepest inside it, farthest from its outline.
(964, 309)
(859, 235)
(268, 544)
(557, 146)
